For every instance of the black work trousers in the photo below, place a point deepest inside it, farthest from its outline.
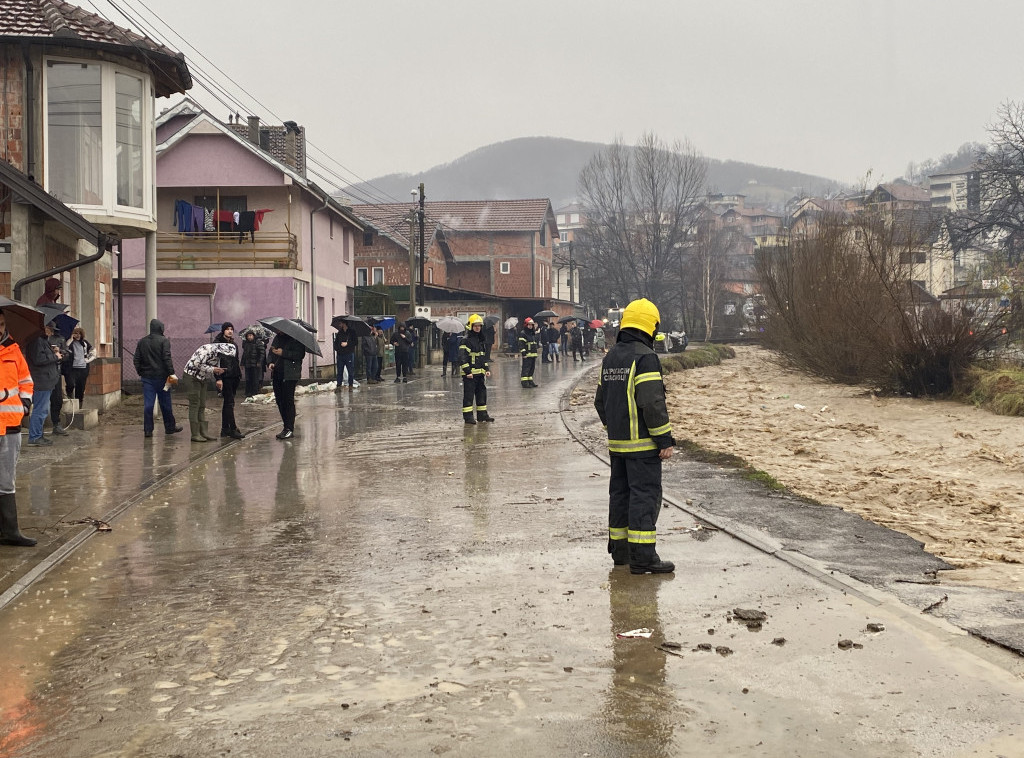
(634, 500)
(229, 387)
(529, 365)
(284, 395)
(474, 390)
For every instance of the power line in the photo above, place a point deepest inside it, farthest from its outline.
(341, 182)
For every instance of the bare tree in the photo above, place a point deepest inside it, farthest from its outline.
(641, 204)
(997, 221)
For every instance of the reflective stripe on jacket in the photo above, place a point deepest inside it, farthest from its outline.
(631, 399)
(473, 354)
(528, 343)
(15, 385)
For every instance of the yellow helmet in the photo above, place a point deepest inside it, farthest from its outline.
(474, 319)
(659, 337)
(641, 314)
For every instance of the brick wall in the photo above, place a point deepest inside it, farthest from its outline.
(104, 376)
(11, 108)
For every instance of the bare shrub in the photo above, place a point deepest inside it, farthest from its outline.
(840, 305)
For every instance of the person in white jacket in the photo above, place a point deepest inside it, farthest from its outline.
(200, 368)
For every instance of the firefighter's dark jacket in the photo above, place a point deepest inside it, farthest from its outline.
(528, 343)
(631, 398)
(473, 354)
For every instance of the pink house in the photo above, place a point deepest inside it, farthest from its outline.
(298, 263)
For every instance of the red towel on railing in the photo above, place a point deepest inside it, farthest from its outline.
(225, 217)
(259, 216)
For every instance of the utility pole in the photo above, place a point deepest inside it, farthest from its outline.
(412, 260)
(423, 257)
(572, 283)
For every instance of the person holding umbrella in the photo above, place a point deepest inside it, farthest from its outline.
(345, 350)
(403, 348)
(15, 403)
(528, 349)
(285, 364)
(475, 369)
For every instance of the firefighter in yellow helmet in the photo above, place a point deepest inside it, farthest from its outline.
(475, 368)
(631, 403)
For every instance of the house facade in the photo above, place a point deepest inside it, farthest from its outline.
(491, 255)
(297, 262)
(77, 120)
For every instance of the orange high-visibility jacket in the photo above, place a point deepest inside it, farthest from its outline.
(15, 384)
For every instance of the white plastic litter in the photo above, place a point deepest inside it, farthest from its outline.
(644, 632)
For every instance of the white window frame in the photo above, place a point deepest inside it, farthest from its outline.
(366, 276)
(301, 290)
(108, 93)
(103, 315)
(505, 267)
(374, 278)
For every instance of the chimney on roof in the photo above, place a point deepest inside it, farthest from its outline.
(254, 129)
(265, 138)
(293, 134)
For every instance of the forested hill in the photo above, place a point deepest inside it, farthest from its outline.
(549, 167)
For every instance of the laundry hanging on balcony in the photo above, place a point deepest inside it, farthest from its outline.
(184, 217)
(249, 221)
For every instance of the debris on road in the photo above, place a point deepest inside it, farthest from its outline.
(644, 632)
(936, 604)
(101, 526)
(876, 627)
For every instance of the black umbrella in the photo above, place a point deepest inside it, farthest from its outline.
(24, 322)
(544, 315)
(213, 329)
(55, 312)
(356, 325)
(290, 327)
(420, 322)
(305, 325)
(566, 319)
(491, 320)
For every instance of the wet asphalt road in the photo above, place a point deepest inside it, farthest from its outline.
(392, 582)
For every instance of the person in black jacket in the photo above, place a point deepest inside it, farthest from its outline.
(228, 382)
(475, 368)
(630, 400)
(345, 352)
(403, 343)
(57, 396)
(368, 344)
(155, 368)
(285, 364)
(254, 357)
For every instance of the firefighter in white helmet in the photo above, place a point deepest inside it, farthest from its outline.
(631, 403)
(528, 341)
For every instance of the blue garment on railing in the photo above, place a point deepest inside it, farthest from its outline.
(183, 216)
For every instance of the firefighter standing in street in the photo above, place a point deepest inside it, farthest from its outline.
(475, 369)
(631, 403)
(528, 339)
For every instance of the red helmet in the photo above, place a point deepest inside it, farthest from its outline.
(527, 321)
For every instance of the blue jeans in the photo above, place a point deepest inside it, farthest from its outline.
(371, 367)
(40, 410)
(153, 390)
(347, 362)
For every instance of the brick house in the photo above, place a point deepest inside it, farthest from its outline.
(77, 121)
(489, 255)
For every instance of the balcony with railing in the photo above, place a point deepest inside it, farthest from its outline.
(219, 250)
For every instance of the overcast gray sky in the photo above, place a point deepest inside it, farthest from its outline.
(829, 88)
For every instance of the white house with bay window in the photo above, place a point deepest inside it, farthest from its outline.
(77, 116)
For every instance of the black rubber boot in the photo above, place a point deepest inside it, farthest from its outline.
(643, 559)
(484, 417)
(619, 550)
(468, 418)
(9, 532)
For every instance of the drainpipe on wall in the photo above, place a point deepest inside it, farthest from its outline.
(312, 282)
(101, 248)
